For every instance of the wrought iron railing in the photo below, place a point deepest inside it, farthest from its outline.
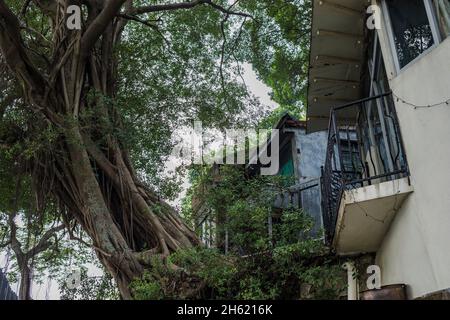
(364, 148)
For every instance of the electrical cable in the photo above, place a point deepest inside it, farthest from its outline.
(445, 102)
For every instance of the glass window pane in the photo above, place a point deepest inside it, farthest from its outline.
(411, 29)
(442, 8)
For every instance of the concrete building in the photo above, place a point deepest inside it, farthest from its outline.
(382, 67)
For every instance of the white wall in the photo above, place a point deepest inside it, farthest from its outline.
(416, 249)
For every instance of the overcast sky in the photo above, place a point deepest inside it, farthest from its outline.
(258, 89)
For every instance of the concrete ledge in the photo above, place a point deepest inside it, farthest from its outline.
(365, 215)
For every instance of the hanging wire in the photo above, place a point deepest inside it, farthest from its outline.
(445, 102)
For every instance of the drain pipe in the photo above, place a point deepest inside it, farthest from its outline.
(352, 286)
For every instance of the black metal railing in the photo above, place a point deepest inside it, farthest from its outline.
(364, 148)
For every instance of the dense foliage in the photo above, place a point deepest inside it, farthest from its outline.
(286, 264)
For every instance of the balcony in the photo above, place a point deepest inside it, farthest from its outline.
(365, 178)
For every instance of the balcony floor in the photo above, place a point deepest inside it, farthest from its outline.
(365, 215)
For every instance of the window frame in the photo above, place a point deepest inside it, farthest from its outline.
(435, 30)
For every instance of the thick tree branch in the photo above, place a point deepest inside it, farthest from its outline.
(16, 246)
(168, 6)
(99, 25)
(137, 19)
(44, 242)
(228, 11)
(13, 49)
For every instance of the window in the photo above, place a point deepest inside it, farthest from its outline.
(413, 28)
(377, 127)
(442, 9)
(351, 163)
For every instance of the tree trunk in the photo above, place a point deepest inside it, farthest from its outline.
(119, 216)
(122, 224)
(87, 170)
(25, 283)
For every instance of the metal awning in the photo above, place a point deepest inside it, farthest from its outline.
(336, 59)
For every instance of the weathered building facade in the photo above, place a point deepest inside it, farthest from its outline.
(301, 157)
(382, 67)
